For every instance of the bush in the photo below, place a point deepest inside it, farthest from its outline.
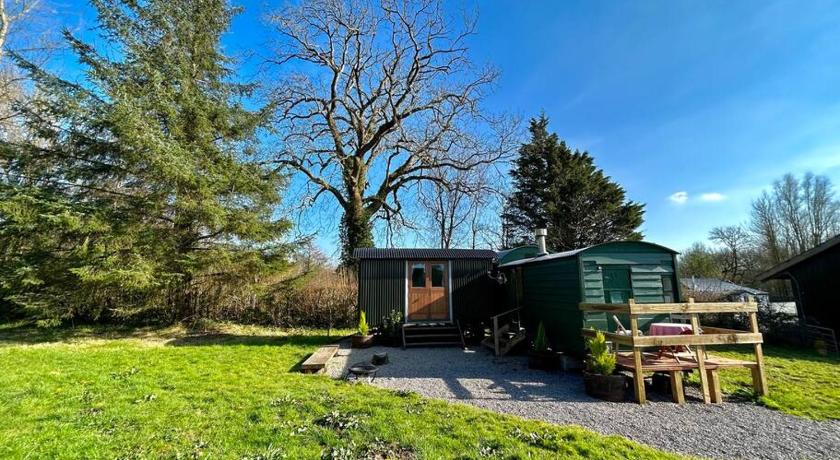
(363, 325)
(392, 325)
(600, 361)
(321, 298)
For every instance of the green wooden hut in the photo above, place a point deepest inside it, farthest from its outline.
(550, 287)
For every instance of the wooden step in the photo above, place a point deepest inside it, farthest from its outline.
(318, 361)
(432, 334)
(427, 336)
(432, 344)
(430, 328)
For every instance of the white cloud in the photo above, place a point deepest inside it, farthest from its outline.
(712, 197)
(679, 197)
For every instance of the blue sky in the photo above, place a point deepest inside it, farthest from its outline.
(694, 107)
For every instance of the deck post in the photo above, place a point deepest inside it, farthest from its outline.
(677, 393)
(758, 375)
(638, 375)
(714, 383)
(496, 335)
(701, 357)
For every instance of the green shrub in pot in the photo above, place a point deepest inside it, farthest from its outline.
(598, 378)
(363, 339)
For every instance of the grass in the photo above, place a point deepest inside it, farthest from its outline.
(234, 393)
(801, 382)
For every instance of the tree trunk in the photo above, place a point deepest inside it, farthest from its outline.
(356, 229)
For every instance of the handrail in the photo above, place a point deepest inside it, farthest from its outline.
(631, 307)
(506, 313)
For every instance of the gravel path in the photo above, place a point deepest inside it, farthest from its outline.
(729, 430)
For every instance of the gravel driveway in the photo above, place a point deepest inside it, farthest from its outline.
(474, 376)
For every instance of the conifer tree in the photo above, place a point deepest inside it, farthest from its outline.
(141, 186)
(562, 190)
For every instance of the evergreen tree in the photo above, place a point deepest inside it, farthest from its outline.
(562, 190)
(140, 188)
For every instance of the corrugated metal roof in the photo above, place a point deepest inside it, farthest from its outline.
(718, 286)
(422, 253)
(779, 270)
(574, 252)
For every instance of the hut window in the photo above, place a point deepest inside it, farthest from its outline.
(418, 275)
(437, 275)
(667, 288)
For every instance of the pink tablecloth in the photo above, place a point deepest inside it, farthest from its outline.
(668, 328)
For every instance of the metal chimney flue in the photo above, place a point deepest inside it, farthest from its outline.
(539, 235)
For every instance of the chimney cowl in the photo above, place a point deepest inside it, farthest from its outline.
(539, 236)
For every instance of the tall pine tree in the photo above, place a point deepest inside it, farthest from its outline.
(562, 190)
(140, 188)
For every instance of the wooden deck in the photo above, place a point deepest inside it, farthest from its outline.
(640, 362)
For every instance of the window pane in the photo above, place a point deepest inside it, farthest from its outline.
(418, 275)
(437, 275)
(617, 296)
(667, 289)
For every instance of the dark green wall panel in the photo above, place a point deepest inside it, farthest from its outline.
(381, 288)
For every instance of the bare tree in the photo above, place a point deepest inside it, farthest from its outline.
(375, 97)
(17, 34)
(764, 225)
(449, 210)
(735, 261)
(795, 216)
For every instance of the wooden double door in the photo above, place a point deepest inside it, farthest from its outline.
(428, 291)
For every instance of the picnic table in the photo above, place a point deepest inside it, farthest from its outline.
(671, 329)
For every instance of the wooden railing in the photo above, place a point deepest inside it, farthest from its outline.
(500, 343)
(699, 338)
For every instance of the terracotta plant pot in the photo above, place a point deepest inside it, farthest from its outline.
(543, 360)
(362, 341)
(606, 387)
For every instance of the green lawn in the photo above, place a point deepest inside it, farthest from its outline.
(801, 382)
(120, 393)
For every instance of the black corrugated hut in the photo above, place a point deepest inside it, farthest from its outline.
(427, 285)
(813, 276)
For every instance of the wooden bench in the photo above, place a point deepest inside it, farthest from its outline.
(654, 362)
(318, 361)
(714, 363)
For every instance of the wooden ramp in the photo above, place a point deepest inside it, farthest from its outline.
(318, 361)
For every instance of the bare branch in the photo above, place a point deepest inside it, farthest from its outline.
(378, 92)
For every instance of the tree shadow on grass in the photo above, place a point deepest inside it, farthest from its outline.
(212, 339)
(24, 333)
(28, 334)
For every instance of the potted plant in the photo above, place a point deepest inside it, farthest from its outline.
(540, 356)
(390, 333)
(363, 338)
(598, 378)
